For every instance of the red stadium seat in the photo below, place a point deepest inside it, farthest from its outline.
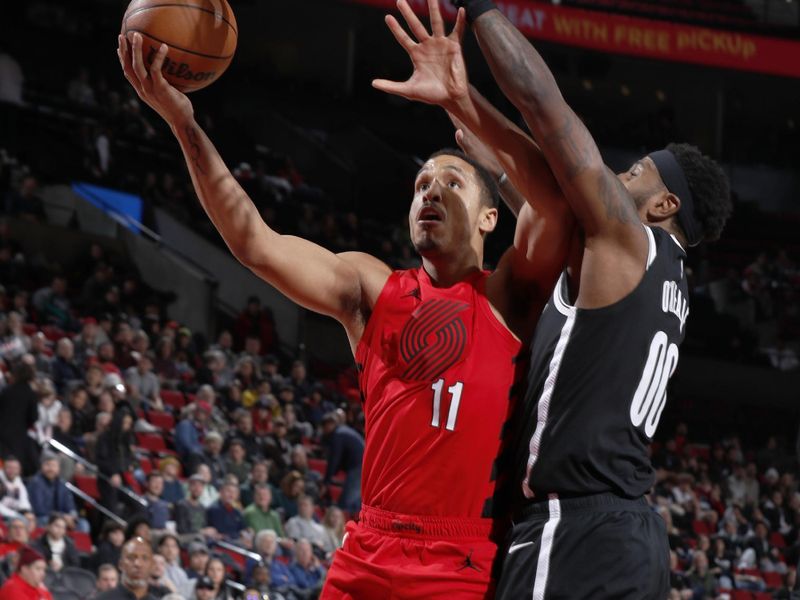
(239, 559)
(53, 333)
(29, 328)
(763, 596)
(701, 528)
(776, 539)
(151, 441)
(741, 595)
(164, 420)
(173, 399)
(83, 542)
(773, 579)
(132, 483)
(319, 465)
(88, 485)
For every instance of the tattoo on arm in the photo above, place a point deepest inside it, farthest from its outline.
(615, 198)
(575, 147)
(194, 147)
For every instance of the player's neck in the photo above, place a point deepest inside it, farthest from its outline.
(446, 271)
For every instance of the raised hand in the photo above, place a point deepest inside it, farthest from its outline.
(173, 106)
(440, 75)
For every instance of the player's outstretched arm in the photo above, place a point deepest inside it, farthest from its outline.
(334, 285)
(600, 201)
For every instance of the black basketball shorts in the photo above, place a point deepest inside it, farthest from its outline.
(600, 547)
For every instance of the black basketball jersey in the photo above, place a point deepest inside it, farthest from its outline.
(597, 383)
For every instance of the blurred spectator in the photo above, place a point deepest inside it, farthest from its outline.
(346, 452)
(259, 515)
(303, 525)
(158, 511)
(115, 457)
(107, 578)
(14, 501)
(18, 413)
(65, 369)
(173, 489)
(28, 581)
(215, 571)
(259, 475)
(211, 456)
(169, 548)
(48, 494)
(53, 306)
(24, 202)
(306, 570)
(190, 513)
(135, 565)
(158, 576)
(198, 559)
(223, 514)
(266, 544)
(291, 490)
(109, 544)
(48, 408)
(191, 430)
(79, 90)
(143, 385)
(333, 524)
(243, 432)
(257, 322)
(235, 463)
(56, 547)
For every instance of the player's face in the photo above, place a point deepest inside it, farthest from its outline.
(447, 212)
(643, 183)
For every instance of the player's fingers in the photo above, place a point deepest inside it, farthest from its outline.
(437, 23)
(155, 67)
(138, 61)
(400, 34)
(397, 88)
(461, 25)
(123, 51)
(416, 26)
(460, 138)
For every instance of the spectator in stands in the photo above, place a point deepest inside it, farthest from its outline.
(115, 456)
(56, 547)
(259, 515)
(158, 576)
(210, 493)
(16, 536)
(266, 544)
(215, 571)
(158, 512)
(198, 559)
(14, 343)
(107, 578)
(48, 494)
(190, 513)
(53, 305)
(299, 463)
(299, 379)
(48, 409)
(191, 430)
(345, 452)
(24, 202)
(211, 456)
(41, 354)
(86, 342)
(235, 463)
(83, 413)
(303, 525)
(169, 548)
(292, 488)
(333, 524)
(244, 432)
(259, 475)
(256, 322)
(306, 570)
(214, 371)
(80, 90)
(223, 514)
(225, 346)
(65, 369)
(106, 358)
(164, 363)
(15, 501)
(276, 445)
(28, 581)
(218, 420)
(173, 489)
(18, 413)
(109, 544)
(135, 565)
(143, 385)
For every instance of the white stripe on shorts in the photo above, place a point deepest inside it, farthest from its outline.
(549, 533)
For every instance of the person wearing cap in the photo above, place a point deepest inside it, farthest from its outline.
(198, 559)
(27, 583)
(204, 588)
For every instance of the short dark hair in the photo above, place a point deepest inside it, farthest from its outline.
(491, 193)
(711, 190)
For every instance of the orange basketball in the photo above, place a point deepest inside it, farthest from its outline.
(201, 35)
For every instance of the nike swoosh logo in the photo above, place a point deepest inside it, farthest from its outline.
(514, 547)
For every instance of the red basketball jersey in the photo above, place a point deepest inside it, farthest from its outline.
(436, 367)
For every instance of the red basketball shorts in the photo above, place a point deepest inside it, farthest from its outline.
(393, 556)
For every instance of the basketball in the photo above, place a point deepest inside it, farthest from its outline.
(201, 35)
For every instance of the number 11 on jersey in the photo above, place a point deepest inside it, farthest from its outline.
(455, 401)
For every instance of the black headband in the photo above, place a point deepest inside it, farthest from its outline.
(675, 179)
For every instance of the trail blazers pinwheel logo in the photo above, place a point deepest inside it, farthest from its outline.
(433, 339)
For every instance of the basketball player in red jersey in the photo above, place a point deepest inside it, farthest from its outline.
(435, 348)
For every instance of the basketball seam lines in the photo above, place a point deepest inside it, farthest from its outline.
(152, 37)
(172, 5)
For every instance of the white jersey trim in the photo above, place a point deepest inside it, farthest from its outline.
(561, 304)
(543, 407)
(674, 239)
(651, 251)
(548, 536)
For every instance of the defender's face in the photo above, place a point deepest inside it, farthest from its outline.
(642, 181)
(446, 207)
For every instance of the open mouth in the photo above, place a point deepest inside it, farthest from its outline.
(429, 214)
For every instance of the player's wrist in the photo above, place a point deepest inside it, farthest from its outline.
(475, 8)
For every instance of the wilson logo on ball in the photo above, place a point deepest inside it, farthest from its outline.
(179, 70)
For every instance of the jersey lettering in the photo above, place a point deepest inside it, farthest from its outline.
(455, 402)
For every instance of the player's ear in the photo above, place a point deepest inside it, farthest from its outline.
(488, 219)
(663, 206)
